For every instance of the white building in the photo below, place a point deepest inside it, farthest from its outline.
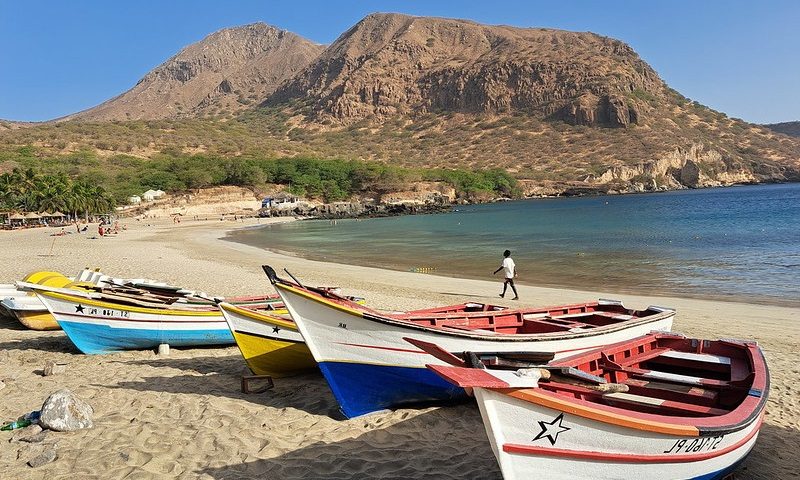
(136, 199)
(151, 195)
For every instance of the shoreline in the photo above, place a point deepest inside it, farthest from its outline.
(149, 407)
(619, 289)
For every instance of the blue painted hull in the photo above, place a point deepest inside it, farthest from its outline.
(92, 339)
(362, 389)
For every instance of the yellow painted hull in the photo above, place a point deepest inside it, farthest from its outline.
(277, 358)
(37, 320)
(270, 344)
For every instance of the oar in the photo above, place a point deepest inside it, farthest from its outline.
(437, 351)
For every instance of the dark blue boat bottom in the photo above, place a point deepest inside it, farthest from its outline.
(362, 389)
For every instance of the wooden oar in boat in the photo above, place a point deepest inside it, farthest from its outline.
(565, 375)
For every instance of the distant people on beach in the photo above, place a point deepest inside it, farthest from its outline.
(509, 271)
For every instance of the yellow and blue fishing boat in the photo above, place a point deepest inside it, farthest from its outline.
(105, 322)
(269, 341)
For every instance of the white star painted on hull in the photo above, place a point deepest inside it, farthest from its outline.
(552, 429)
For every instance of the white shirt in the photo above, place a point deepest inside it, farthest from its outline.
(508, 267)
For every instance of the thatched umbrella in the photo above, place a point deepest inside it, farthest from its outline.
(16, 218)
(33, 218)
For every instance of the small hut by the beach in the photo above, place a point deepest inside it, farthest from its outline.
(33, 219)
(16, 220)
(55, 218)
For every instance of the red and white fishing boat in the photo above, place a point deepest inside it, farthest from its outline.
(369, 367)
(661, 406)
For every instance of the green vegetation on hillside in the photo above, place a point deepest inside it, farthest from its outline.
(327, 180)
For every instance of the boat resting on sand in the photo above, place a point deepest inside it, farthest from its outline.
(659, 406)
(23, 305)
(98, 322)
(270, 344)
(369, 366)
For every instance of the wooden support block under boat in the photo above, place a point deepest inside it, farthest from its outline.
(248, 379)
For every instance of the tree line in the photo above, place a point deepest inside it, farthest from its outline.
(170, 170)
(28, 190)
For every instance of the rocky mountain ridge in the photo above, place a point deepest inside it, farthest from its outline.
(223, 73)
(787, 128)
(564, 112)
(390, 64)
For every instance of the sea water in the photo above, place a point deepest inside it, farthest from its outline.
(736, 243)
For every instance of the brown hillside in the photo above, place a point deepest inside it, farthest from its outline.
(225, 72)
(786, 128)
(391, 64)
(563, 111)
(440, 92)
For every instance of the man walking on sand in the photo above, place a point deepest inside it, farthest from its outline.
(510, 271)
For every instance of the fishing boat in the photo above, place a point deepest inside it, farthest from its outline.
(270, 343)
(659, 406)
(369, 366)
(104, 322)
(23, 305)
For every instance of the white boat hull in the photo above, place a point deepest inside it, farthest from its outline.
(530, 439)
(351, 348)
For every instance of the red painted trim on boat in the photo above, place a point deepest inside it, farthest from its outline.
(625, 457)
(393, 349)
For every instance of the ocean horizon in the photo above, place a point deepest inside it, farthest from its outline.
(735, 243)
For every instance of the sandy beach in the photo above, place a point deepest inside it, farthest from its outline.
(184, 416)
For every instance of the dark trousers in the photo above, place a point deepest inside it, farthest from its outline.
(506, 283)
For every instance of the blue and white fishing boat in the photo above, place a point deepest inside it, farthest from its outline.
(97, 322)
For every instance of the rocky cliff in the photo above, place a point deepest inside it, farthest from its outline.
(224, 73)
(565, 112)
(439, 92)
(391, 64)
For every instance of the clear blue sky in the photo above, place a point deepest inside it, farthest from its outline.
(61, 56)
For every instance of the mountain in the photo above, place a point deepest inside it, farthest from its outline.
(390, 64)
(544, 104)
(223, 73)
(563, 112)
(787, 128)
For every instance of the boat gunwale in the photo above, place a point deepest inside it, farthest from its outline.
(130, 308)
(374, 316)
(732, 421)
(258, 316)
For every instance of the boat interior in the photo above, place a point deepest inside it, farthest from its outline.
(493, 319)
(665, 375)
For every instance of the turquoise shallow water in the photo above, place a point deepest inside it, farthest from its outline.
(738, 243)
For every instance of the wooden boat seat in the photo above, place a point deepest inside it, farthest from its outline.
(697, 357)
(697, 361)
(680, 408)
(678, 378)
(671, 391)
(534, 316)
